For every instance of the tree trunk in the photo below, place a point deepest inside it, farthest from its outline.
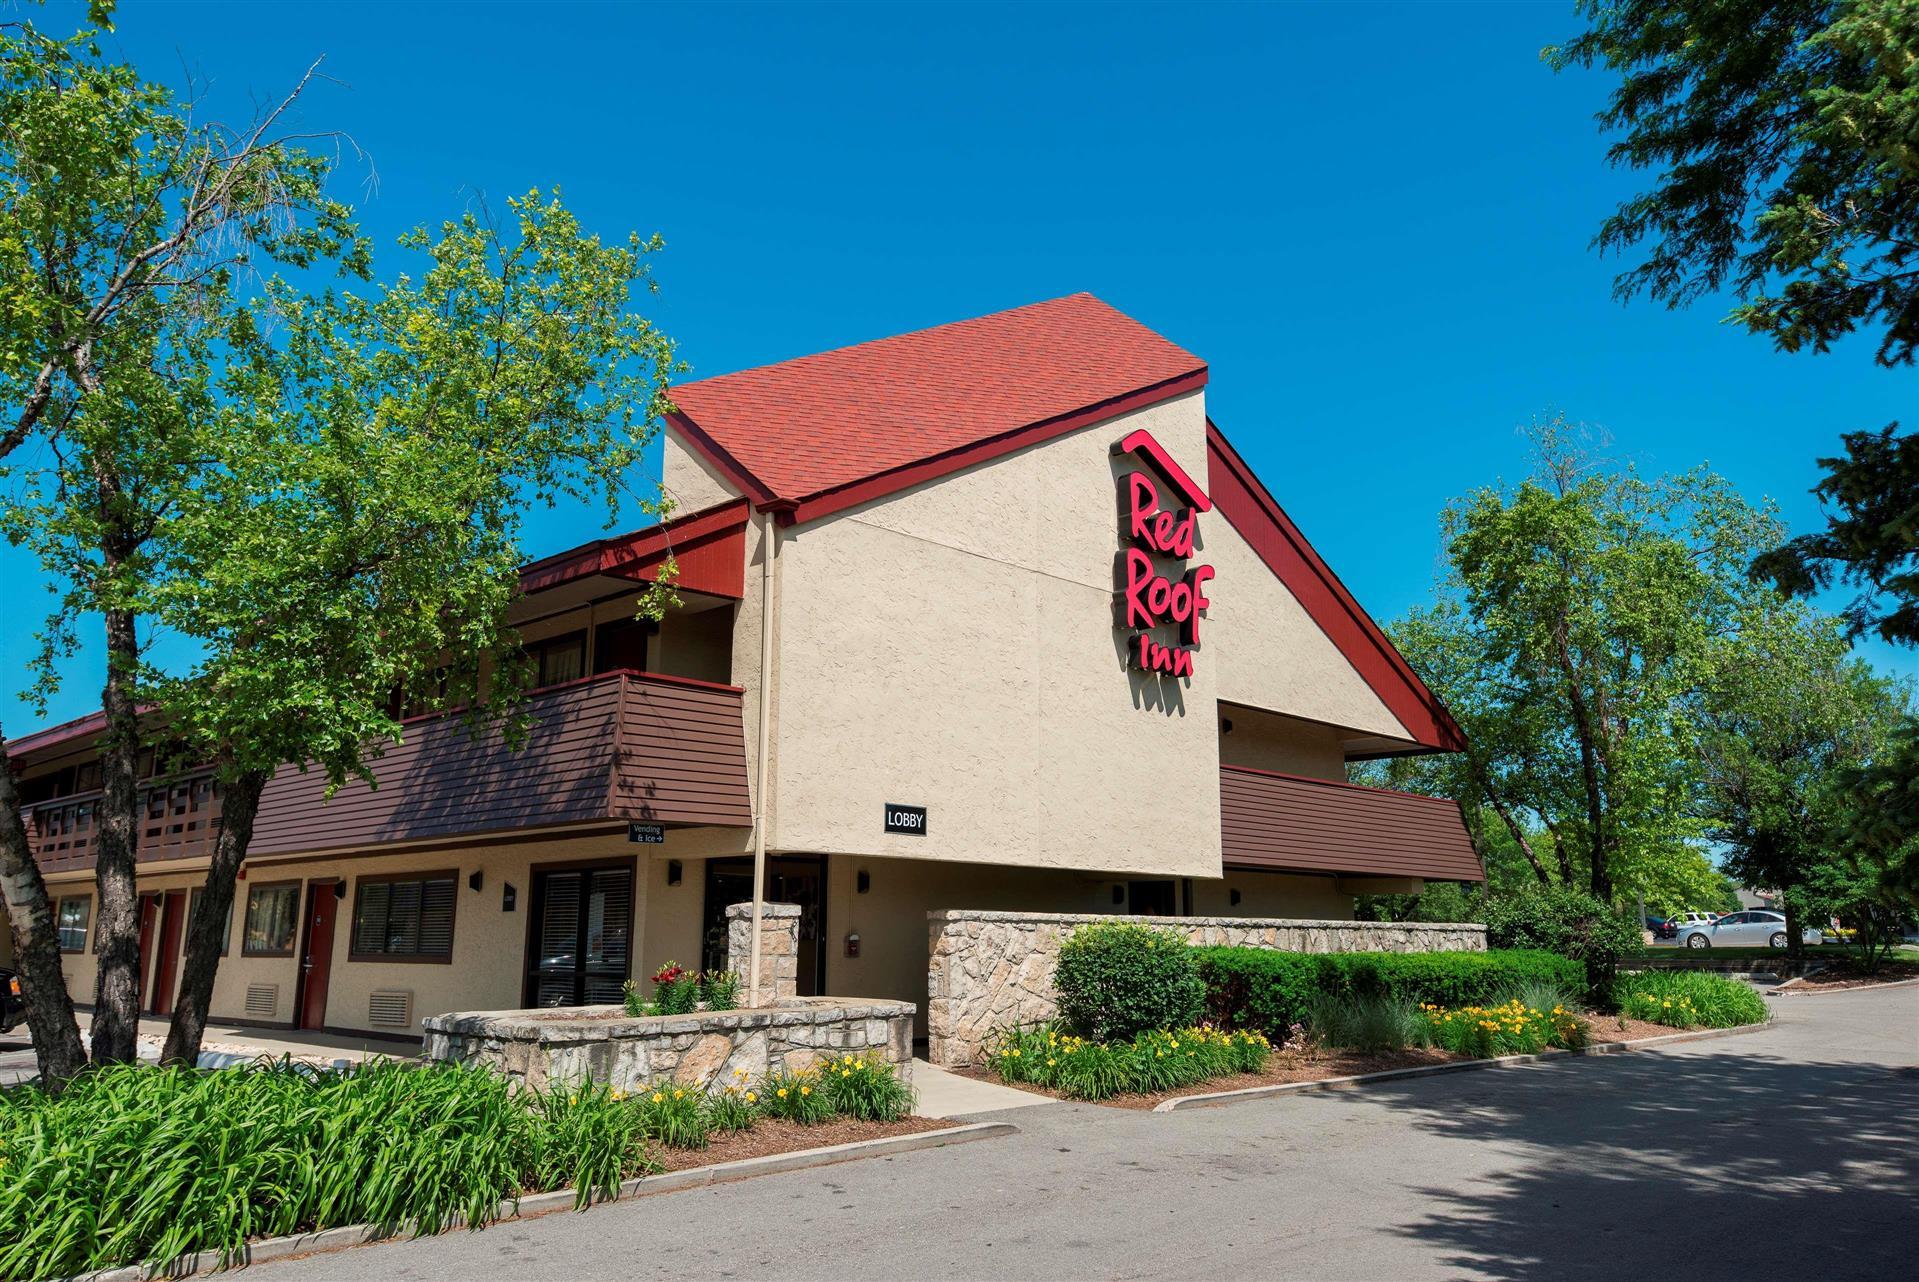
(56, 1033)
(116, 1001)
(1587, 732)
(1795, 937)
(239, 803)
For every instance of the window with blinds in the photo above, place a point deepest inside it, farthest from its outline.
(407, 918)
(583, 936)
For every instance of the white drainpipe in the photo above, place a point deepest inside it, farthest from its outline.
(769, 548)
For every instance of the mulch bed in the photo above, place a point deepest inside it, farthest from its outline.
(776, 1135)
(1841, 977)
(1285, 1068)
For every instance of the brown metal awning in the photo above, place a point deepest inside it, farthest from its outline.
(1291, 822)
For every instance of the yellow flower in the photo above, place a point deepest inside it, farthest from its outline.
(806, 1090)
(679, 1094)
(658, 1098)
(752, 1097)
(619, 1094)
(782, 1092)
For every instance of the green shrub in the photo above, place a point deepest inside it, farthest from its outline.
(1372, 1023)
(1688, 999)
(634, 1003)
(1271, 991)
(1567, 921)
(1117, 979)
(866, 1088)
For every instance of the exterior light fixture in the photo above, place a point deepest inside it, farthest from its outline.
(863, 881)
(473, 880)
(673, 872)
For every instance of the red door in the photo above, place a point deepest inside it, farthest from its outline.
(316, 953)
(148, 905)
(173, 921)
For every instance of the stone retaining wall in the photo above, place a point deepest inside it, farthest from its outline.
(603, 1044)
(990, 969)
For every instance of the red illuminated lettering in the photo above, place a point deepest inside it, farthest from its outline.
(1148, 598)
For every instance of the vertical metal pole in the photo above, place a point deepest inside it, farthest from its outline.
(769, 548)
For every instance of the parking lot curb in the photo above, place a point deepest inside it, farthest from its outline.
(1812, 989)
(535, 1204)
(1434, 1070)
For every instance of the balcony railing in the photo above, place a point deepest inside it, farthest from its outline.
(1296, 824)
(177, 820)
(623, 746)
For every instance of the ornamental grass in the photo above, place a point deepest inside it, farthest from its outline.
(133, 1163)
(1153, 1062)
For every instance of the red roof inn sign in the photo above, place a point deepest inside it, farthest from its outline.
(1159, 511)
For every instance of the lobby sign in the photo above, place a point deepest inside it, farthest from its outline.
(1159, 507)
(910, 820)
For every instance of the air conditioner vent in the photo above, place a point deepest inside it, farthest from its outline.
(263, 1001)
(390, 1008)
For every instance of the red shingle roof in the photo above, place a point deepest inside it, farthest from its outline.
(818, 423)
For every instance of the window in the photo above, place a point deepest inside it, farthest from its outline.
(72, 923)
(621, 645)
(404, 918)
(226, 934)
(272, 913)
(559, 659)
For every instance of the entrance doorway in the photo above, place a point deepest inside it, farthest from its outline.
(173, 920)
(790, 879)
(1151, 899)
(580, 934)
(149, 912)
(316, 952)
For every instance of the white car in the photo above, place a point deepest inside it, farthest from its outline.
(1754, 928)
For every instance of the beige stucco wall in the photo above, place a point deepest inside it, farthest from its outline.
(1267, 742)
(1272, 655)
(953, 647)
(489, 944)
(687, 478)
(1272, 894)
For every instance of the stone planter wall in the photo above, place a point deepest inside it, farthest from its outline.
(987, 970)
(602, 1044)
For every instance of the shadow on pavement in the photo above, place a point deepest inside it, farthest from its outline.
(1724, 1164)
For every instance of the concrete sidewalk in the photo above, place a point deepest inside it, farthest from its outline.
(944, 1094)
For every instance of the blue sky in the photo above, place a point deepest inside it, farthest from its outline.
(1372, 221)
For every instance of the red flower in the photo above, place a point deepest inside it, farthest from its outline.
(669, 972)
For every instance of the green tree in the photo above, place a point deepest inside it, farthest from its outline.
(123, 225)
(1574, 620)
(356, 530)
(1780, 134)
(1783, 715)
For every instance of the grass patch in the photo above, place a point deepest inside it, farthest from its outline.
(1688, 999)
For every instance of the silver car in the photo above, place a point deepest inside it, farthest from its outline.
(1754, 928)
